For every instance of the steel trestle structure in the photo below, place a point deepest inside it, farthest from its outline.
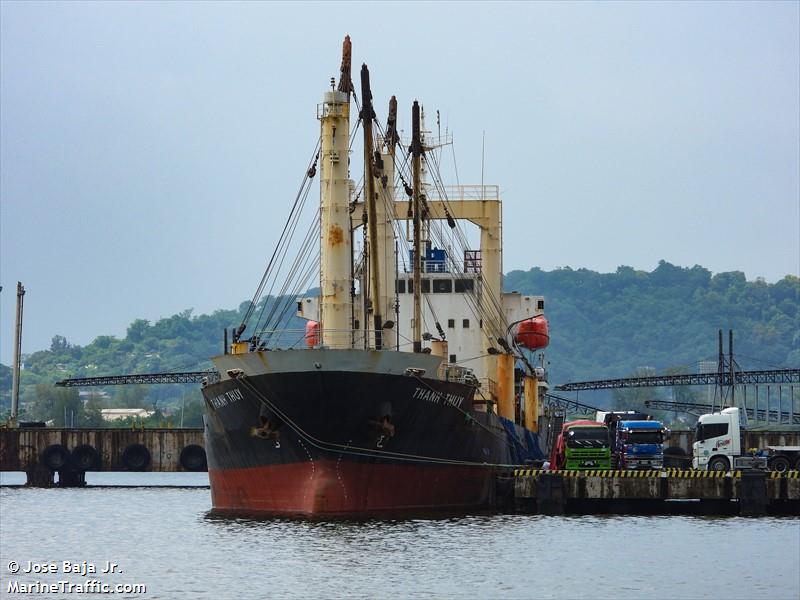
(144, 378)
(771, 376)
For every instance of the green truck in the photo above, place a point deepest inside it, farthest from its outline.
(581, 445)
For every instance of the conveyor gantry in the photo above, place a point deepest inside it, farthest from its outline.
(142, 378)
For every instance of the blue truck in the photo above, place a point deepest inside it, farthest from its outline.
(638, 445)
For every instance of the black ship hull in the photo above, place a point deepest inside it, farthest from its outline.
(339, 443)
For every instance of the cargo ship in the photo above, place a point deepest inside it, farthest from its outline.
(406, 389)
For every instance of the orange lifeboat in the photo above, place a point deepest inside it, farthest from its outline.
(312, 334)
(533, 333)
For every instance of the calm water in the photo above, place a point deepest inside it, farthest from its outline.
(166, 539)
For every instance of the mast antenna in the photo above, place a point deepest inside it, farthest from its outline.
(483, 154)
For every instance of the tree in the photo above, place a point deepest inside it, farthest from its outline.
(193, 411)
(59, 344)
(131, 396)
(138, 330)
(62, 406)
(92, 411)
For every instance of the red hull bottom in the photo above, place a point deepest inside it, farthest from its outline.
(322, 488)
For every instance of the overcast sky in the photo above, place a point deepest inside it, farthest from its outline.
(149, 152)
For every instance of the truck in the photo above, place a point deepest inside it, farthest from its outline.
(582, 444)
(720, 446)
(638, 444)
(637, 441)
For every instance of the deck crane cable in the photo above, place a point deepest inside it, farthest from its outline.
(464, 246)
(276, 330)
(476, 308)
(259, 290)
(387, 196)
(284, 249)
(299, 274)
(283, 244)
(472, 302)
(293, 281)
(301, 255)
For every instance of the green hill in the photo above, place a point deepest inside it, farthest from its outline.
(601, 325)
(611, 324)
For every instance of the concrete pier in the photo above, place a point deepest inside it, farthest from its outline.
(750, 493)
(41, 452)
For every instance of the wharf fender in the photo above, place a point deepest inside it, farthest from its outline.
(22, 449)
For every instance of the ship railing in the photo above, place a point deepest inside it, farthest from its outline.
(325, 338)
(455, 193)
(331, 110)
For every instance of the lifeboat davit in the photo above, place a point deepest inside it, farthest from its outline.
(312, 334)
(533, 333)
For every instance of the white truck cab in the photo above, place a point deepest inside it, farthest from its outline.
(717, 439)
(718, 446)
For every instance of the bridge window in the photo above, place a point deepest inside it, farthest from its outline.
(426, 286)
(465, 323)
(442, 286)
(452, 358)
(540, 304)
(401, 286)
(451, 323)
(465, 285)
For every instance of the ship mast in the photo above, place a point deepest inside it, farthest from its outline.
(416, 165)
(386, 232)
(367, 116)
(335, 276)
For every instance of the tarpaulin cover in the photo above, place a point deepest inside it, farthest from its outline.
(521, 452)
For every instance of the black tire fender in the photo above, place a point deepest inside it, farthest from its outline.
(85, 458)
(136, 457)
(193, 458)
(55, 457)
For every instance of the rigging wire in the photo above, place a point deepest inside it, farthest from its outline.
(259, 290)
(276, 309)
(460, 240)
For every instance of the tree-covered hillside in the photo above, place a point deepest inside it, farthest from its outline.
(611, 324)
(601, 325)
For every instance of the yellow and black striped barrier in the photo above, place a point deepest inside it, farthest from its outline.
(690, 474)
(677, 473)
(793, 474)
(589, 473)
